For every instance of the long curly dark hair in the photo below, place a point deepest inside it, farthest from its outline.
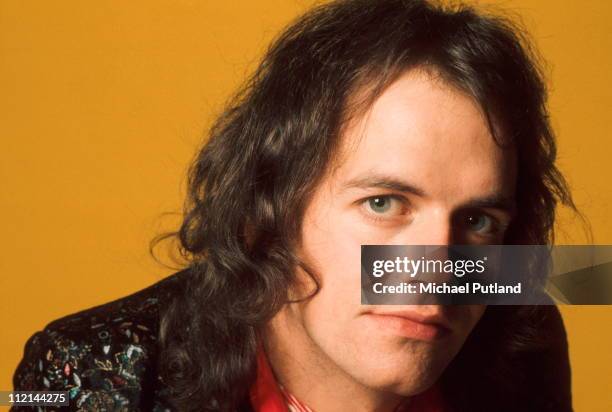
(266, 154)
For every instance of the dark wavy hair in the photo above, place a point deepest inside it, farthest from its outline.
(251, 181)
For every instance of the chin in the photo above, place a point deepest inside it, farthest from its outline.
(402, 375)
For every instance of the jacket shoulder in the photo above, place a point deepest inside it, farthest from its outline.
(105, 356)
(516, 359)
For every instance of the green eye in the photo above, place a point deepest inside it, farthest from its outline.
(479, 223)
(380, 204)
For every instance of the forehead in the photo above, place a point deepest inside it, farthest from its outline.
(422, 129)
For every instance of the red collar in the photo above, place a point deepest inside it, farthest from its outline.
(266, 395)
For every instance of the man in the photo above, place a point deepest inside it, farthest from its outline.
(367, 122)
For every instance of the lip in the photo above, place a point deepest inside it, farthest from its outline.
(410, 324)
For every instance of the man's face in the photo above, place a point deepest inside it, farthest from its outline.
(421, 168)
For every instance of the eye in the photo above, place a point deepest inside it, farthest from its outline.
(479, 222)
(384, 207)
(380, 204)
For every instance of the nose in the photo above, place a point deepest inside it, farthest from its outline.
(429, 227)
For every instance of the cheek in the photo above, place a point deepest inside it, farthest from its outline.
(335, 258)
(473, 314)
(476, 312)
(330, 247)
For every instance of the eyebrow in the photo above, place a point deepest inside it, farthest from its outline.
(383, 182)
(387, 182)
(505, 203)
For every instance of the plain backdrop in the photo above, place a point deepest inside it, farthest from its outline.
(103, 104)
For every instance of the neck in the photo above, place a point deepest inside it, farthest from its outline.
(312, 377)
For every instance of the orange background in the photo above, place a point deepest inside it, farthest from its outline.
(102, 105)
